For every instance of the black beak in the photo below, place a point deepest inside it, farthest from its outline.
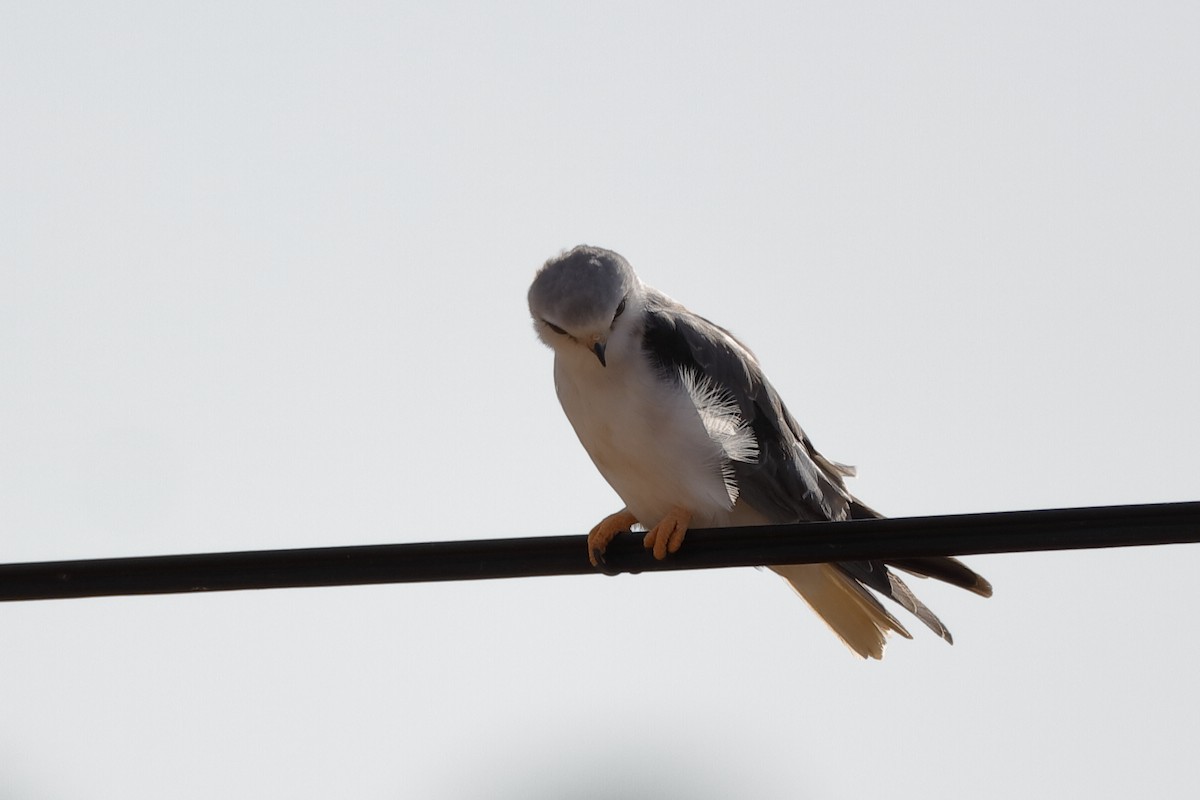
(598, 349)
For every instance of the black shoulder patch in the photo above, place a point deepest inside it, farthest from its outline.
(666, 346)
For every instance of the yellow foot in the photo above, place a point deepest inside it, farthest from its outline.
(667, 535)
(603, 533)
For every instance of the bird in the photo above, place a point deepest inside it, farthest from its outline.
(680, 420)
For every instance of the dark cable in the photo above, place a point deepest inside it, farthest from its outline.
(899, 538)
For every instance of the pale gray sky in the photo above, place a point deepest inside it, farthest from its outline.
(263, 285)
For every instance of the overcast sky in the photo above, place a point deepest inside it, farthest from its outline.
(262, 285)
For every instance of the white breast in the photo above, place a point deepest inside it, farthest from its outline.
(645, 436)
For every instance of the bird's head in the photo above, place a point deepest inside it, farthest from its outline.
(585, 298)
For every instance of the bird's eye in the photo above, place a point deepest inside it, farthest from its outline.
(620, 310)
(554, 327)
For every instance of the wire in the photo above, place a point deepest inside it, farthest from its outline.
(815, 542)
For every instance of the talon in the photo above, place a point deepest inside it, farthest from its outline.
(667, 535)
(601, 535)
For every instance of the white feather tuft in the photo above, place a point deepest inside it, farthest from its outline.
(721, 417)
(724, 424)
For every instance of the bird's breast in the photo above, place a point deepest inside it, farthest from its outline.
(645, 437)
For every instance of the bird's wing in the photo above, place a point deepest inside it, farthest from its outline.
(787, 480)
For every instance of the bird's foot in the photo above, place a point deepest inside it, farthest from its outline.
(601, 535)
(667, 535)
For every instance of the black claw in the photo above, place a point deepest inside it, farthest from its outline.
(600, 563)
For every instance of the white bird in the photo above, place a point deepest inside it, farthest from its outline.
(681, 421)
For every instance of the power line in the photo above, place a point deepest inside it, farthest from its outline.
(898, 538)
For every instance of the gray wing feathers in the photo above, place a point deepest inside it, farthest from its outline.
(946, 569)
(788, 481)
(877, 576)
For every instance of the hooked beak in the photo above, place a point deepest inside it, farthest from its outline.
(598, 349)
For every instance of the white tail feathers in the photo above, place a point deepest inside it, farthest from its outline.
(847, 608)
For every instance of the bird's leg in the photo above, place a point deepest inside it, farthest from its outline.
(602, 534)
(667, 535)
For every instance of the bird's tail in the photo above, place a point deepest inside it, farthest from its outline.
(842, 592)
(847, 607)
(841, 595)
